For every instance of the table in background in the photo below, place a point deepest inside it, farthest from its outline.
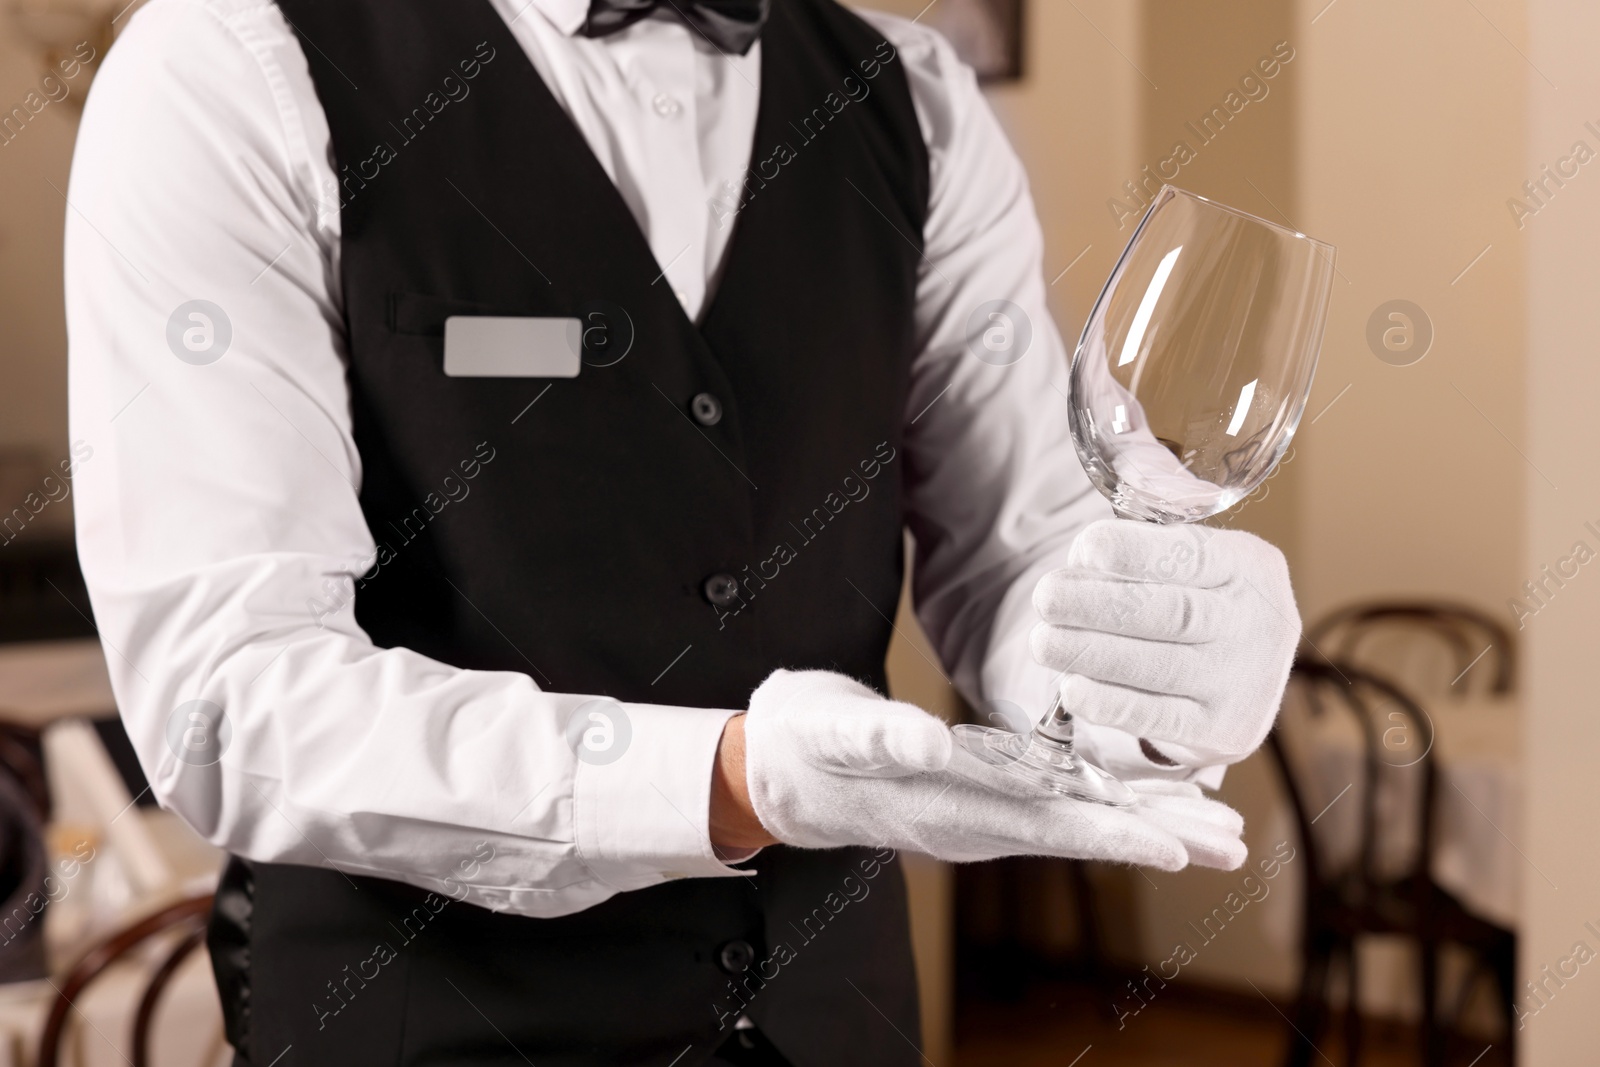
(42, 681)
(1478, 756)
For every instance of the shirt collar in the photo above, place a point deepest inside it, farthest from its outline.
(565, 15)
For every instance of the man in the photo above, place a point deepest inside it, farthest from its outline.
(505, 414)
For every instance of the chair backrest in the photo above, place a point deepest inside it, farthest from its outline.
(186, 919)
(1394, 745)
(22, 755)
(24, 870)
(1395, 637)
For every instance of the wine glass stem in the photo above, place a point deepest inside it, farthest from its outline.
(1055, 728)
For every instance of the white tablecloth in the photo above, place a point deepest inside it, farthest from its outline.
(1477, 752)
(187, 1030)
(40, 683)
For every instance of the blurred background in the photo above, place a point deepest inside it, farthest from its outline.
(1423, 874)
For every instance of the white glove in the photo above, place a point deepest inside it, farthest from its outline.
(829, 763)
(1180, 635)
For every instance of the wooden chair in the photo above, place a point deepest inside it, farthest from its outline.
(1344, 903)
(24, 867)
(1359, 633)
(186, 918)
(22, 757)
(999, 951)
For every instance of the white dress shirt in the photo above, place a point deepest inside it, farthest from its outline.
(220, 503)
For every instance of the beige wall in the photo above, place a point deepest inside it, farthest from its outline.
(1411, 138)
(1562, 730)
(33, 404)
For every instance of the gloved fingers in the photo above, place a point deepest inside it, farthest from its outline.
(1069, 829)
(1273, 598)
(783, 688)
(1153, 666)
(1164, 787)
(1220, 852)
(977, 811)
(1190, 810)
(1146, 551)
(1084, 830)
(1155, 611)
(1186, 811)
(1157, 717)
(886, 739)
(1137, 848)
(1201, 556)
(837, 724)
(963, 814)
(1211, 832)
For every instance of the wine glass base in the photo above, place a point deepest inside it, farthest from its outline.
(1052, 768)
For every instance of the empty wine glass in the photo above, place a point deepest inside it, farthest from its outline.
(1186, 387)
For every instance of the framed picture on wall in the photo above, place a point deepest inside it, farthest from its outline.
(987, 34)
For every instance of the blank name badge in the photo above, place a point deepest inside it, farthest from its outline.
(488, 346)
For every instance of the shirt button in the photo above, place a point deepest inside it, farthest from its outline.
(707, 409)
(736, 957)
(721, 589)
(666, 106)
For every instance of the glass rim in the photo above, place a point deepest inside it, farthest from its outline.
(1169, 189)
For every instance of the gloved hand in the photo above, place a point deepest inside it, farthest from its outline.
(829, 762)
(1180, 635)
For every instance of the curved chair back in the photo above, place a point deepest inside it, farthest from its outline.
(1396, 738)
(1379, 634)
(21, 755)
(187, 917)
(24, 869)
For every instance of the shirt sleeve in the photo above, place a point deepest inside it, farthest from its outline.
(996, 492)
(220, 531)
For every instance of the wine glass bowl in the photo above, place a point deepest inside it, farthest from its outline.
(1195, 364)
(1187, 385)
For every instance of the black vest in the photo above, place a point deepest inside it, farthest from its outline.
(731, 488)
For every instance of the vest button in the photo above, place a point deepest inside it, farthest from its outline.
(707, 409)
(736, 956)
(665, 105)
(721, 589)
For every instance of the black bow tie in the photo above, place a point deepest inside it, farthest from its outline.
(731, 25)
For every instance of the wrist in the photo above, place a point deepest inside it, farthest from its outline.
(733, 823)
(1154, 755)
